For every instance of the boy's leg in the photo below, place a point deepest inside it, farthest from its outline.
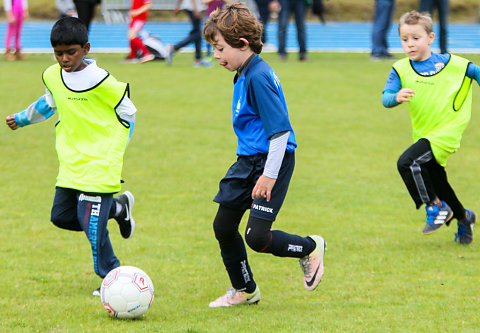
(232, 248)
(415, 167)
(466, 218)
(64, 209)
(260, 238)
(444, 191)
(244, 289)
(310, 250)
(121, 211)
(412, 167)
(93, 211)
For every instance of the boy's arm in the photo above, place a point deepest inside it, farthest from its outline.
(276, 152)
(38, 111)
(473, 72)
(392, 88)
(126, 111)
(264, 95)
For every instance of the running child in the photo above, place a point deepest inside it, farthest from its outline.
(138, 18)
(96, 119)
(259, 179)
(438, 90)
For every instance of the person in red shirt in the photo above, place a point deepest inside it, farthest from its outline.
(138, 18)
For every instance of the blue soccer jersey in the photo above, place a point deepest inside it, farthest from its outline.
(259, 109)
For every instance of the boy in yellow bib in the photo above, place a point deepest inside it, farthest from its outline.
(96, 119)
(438, 90)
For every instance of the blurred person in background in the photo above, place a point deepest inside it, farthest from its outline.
(383, 19)
(16, 11)
(443, 7)
(298, 8)
(193, 8)
(86, 10)
(265, 7)
(211, 6)
(138, 17)
(66, 8)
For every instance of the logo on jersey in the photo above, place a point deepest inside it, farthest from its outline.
(276, 80)
(239, 106)
(438, 67)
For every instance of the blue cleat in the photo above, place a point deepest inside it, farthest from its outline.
(436, 217)
(464, 234)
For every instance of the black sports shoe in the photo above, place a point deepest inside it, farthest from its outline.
(464, 234)
(125, 219)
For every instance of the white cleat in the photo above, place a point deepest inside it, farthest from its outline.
(236, 297)
(312, 265)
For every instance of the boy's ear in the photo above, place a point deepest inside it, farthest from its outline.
(431, 38)
(246, 44)
(86, 47)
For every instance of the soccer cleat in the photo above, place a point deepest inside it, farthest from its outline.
(464, 234)
(130, 60)
(96, 292)
(236, 297)
(147, 58)
(169, 54)
(202, 63)
(125, 218)
(436, 217)
(312, 265)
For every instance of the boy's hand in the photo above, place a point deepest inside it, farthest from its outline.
(263, 188)
(10, 120)
(405, 95)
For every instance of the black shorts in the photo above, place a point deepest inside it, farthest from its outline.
(236, 187)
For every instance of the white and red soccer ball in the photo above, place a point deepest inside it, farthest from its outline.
(127, 292)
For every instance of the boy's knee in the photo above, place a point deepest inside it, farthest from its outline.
(64, 222)
(57, 220)
(226, 224)
(258, 242)
(258, 235)
(403, 163)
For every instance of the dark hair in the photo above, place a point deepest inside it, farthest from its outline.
(69, 31)
(233, 22)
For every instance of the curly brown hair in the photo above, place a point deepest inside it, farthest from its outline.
(413, 17)
(233, 22)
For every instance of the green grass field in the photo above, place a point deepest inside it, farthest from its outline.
(381, 273)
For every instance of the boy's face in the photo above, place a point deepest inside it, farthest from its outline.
(416, 41)
(230, 57)
(70, 57)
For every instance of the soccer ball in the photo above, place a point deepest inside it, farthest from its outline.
(127, 292)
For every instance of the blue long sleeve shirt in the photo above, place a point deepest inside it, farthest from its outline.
(428, 67)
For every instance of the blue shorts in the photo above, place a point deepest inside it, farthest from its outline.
(236, 187)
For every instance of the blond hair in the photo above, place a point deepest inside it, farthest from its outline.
(413, 17)
(233, 22)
